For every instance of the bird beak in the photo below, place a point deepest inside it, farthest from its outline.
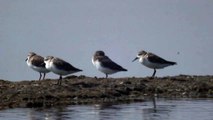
(135, 59)
(26, 59)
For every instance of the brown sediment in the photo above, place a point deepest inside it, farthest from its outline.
(87, 90)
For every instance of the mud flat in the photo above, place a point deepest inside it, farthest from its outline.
(87, 90)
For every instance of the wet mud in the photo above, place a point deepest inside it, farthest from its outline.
(88, 90)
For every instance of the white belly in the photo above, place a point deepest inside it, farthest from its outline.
(148, 64)
(105, 70)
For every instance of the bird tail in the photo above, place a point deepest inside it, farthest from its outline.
(79, 70)
(123, 69)
(171, 63)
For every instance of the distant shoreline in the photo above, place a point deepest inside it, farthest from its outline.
(87, 90)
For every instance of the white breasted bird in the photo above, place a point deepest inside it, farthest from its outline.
(36, 62)
(104, 64)
(152, 61)
(59, 67)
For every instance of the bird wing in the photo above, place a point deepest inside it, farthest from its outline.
(108, 63)
(61, 64)
(38, 61)
(156, 59)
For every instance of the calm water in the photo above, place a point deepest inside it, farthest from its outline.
(182, 109)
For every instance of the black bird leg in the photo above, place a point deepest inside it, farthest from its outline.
(59, 80)
(40, 76)
(44, 76)
(153, 75)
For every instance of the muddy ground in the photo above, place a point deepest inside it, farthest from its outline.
(87, 90)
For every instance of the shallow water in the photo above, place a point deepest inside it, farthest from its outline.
(167, 109)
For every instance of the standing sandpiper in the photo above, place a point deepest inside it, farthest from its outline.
(36, 62)
(105, 64)
(152, 61)
(59, 67)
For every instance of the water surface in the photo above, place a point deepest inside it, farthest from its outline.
(167, 109)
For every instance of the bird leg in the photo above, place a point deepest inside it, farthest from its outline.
(153, 75)
(106, 75)
(44, 76)
(59, 80)
(40, 76)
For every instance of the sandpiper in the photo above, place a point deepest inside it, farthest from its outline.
(152, 61)
(105, 64)
(36, 62)
(59, 67)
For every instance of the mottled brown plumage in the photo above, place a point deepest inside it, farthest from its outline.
(36, 62)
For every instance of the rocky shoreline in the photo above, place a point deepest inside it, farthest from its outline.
(87, 90)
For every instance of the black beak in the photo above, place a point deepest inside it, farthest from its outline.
(135, 59)
(26, 59)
